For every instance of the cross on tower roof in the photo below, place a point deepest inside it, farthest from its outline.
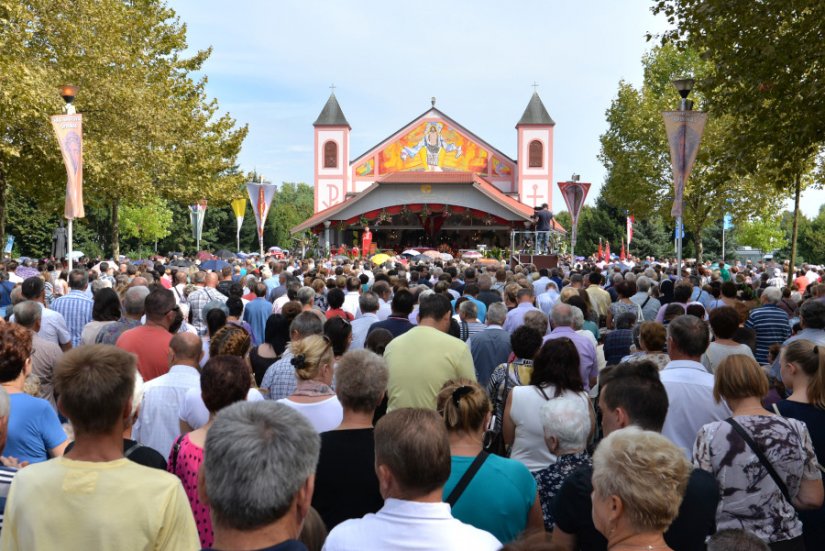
(535, 86)
(332, 87)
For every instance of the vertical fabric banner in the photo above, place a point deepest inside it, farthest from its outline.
(197, 213)
(69, 132)
(607, 251)
(630, 220)
(260, 195)
(239, 208)
(574, 194)
(684, 132)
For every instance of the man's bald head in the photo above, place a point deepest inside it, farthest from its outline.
(186, 348)
(211, 279)
(139, 281)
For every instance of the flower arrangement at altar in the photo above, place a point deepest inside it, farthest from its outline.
(363, 221)
(340, 225)
(446, 212)
(383, 217)
(405, 212)
(488, 220)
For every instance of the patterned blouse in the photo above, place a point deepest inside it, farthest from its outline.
(751, 500)
(185, 466)
(549, 481)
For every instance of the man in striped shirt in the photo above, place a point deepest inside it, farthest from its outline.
(76, 307)
(769, 322)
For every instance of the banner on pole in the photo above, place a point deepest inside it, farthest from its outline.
(239, 208)
(69, 132)
(727, 222)
(630, 221)
(197, 213)
(574, 194)
(684, 132)
(260, 195)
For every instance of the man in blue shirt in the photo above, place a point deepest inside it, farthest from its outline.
(76, 307)
(257, 312)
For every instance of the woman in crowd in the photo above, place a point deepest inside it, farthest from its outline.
(555, 376)
(803, 372)
(503, 486)
(764, 464)
(580, 302)
(623, 305)
(377, 340)
(313, 360)
(339, 332)
(652, 338)
(215, 321)
(224, 381)
(666, 292)
(639, 478)
(105, 310)
(724, 321)
(567, 427)
(34, 433)
(525, 342)
(345, 482)
(276, 336)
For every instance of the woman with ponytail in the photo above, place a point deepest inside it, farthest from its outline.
(803, 372)
(485, 490)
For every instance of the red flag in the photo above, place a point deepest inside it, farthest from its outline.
(607, 251)
(600, 253)
(630, 221)
(622, 255)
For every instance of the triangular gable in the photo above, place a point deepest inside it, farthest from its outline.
(433, 142)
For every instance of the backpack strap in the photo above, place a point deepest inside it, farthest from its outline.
(132, 449)
(467, 478)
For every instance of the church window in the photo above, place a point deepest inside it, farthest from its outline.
(330, 155)
(536, 152)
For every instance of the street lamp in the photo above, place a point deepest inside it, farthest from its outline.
(684, 86)
(68, 92)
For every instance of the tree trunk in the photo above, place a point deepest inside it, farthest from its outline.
(2, 209)
(115, 230)
(698, 246)
(797, 193)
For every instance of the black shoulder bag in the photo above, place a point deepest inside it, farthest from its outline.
(762, 459)
(467, 478)
(175, 452)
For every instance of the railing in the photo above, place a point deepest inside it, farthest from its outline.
(525, 242)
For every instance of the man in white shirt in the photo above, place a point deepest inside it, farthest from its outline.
(368, 303)
(53, 326)
(351, 296)
(158, 423)
(384, 292)
(414, 515)
(689, 385)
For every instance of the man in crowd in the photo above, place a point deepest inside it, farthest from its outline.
(562, 317)
(412, 461)
(769, 322)
(133, 311)
(633, 395)
(515, 317)
(45, 354)
(351, 296)
(60, 504)
(368, 304)
(279, 381)
(150, 342)
(689, 385)
(649, 305)
(491, 347)
(384, 292)
(599, 298)
(548, 298)
(257, 312)
(265, 511)
(76, 307)
(485, 291)
(225, 281)
(158, 422)
(205, 293)
(421, 360)
(398, 321)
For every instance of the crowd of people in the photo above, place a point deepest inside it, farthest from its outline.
(336, 404)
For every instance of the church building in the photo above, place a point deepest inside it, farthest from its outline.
(430, 183)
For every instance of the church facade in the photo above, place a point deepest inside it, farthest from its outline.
(431, 183)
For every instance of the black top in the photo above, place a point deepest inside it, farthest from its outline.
(260, 364)
(396, 326)
(489, 297)
(140, 454)
(543, 218)
(288, 545)
(345, 483)
(696, 520)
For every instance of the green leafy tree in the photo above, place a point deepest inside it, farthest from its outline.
(293, 203)
(636, 153)
(765, 234)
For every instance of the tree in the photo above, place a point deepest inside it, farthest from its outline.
(765, 234)
(766, 72)
(292, 204)
(636, 153)
(147, 222)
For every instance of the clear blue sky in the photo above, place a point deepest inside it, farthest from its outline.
(273, 62)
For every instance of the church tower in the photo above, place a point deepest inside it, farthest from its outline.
(535, 154)
(331, 155)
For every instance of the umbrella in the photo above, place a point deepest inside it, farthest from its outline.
(224, 254)
(380, 258)
(470, 254)
(487, 261)
(275, 249)
(340, 257)
(77, 255)
(181, 263)
(410, 252)
(421, 258)
(446, 256)
(213, 265)
(433, 254)
(149, 263)
(204, 255)
(26, 272)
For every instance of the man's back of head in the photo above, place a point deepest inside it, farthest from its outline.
(186, 349)
(434, 307)
(32, 288)
(368, 303)
(134, 300)
(562, 315)
(412, 453)
(28, 313)
(688, 336)
(304, 325)
(635, 388)
(158, 303)
(403, 302)
(812, 315)
(277, 444)
(78, 280)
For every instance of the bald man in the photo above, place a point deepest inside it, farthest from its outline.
(158, 426)
(201, 297)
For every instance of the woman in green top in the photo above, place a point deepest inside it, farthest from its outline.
(501, 497)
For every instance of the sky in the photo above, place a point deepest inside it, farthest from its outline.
(273, 63)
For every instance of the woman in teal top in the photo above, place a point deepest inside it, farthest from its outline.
(501, 497)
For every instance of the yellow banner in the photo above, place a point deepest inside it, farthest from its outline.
(239, 207)
(69, 132)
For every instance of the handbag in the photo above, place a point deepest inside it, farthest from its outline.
(493, 441)
(762, 459)
(467, 478)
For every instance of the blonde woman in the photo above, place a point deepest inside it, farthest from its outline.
(632, 511)
(313, 359)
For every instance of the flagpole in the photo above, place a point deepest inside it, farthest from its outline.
(69, 239)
